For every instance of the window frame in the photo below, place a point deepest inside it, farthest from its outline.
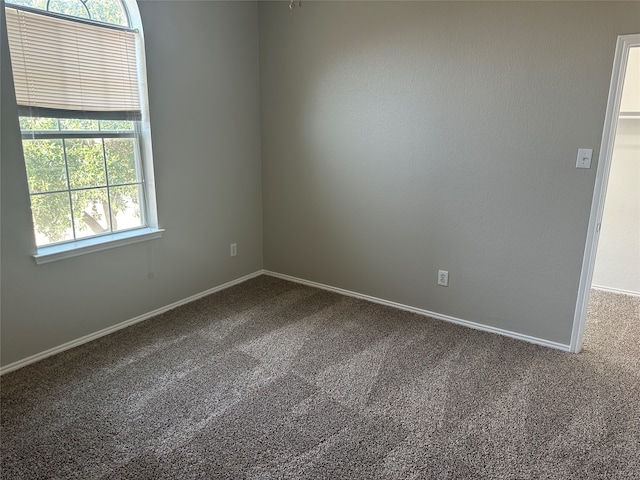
(142, 150)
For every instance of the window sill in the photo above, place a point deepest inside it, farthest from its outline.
(82, 247)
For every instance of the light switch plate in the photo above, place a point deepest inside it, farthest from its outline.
(584, 158)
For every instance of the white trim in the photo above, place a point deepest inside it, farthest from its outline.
(101, 333)
(600, 188)
(54, 253)
(438, 316)
(420, 311)
(145, 143)
(616, 290)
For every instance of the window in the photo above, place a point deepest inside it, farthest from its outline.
(78, 68)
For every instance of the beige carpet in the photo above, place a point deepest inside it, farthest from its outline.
(271, 379)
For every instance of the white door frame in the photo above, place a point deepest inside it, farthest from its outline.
(625, 42)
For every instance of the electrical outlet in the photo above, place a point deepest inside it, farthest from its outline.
(443, 278)
(234, 249)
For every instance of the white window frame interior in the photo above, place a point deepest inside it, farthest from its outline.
(144, 159)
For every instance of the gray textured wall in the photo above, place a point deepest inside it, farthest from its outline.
(402, 138)
(398, 138)
(202, 61)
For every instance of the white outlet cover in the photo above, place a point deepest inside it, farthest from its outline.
(584, 158)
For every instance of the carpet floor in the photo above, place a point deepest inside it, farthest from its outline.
(270, 379)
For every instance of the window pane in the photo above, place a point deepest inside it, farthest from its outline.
(108, 11)
(51, 218)
(46, 171)
(78, 124)
(120, 125)
(125, 207)
(121, 162)
(86, 162)
(38, 123)
(91, 212)
(41, 4)
(73, 8)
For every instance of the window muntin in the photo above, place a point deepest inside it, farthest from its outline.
(85, 177)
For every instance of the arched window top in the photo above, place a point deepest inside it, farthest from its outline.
(113, 12)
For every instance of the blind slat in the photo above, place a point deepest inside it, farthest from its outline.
(64, 65)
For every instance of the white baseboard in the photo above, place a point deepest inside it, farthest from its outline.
(101, 333)
(616, 290)
(447, 318)
(420, 311)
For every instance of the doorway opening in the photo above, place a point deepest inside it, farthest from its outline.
(615, 270)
